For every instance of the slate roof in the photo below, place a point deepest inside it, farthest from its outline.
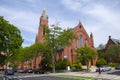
(116, 41)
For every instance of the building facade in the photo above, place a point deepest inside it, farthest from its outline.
(111, 41)
(67, 52)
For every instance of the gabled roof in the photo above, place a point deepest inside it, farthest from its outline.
(116, 41)
(81, 27)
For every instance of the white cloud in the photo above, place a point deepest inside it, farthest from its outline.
(24, 20)
(106, 16)
(98, 17)
(72, 4)
(77, 5)
(102, 19)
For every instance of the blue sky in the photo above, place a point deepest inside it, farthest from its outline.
(101, 17)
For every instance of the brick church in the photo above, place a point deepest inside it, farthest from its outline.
(69, 51)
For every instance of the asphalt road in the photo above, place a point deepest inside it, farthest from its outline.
(31, 76)
(46, 78)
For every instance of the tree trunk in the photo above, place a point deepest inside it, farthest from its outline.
(35, 61)
(53, 61)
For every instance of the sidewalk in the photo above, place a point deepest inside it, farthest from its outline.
(90, 74)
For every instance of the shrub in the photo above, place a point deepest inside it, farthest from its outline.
(76, 67)
(62, 64)
(45, 64)
(101, 62)
(113, 64)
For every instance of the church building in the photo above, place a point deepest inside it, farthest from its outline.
(67, 52)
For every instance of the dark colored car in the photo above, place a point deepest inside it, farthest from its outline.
(9, 72)
(28, 71)
(117, 67)
(39, 71)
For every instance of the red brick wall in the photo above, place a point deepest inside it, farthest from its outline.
(69, 51)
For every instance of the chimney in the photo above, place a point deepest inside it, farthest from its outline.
(109, 37)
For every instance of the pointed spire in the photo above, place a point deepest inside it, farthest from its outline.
(44, 8)
(79, 22)
(44, 15)
(91, 35)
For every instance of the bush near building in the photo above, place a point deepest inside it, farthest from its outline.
(62, 64)
(76, 67)
(101, 62)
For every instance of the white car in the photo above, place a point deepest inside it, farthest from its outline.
(104, 68)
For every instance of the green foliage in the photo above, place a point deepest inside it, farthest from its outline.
(2, 59)
(113, 64)
(62, 64)
(66, 62)
(10, 37)
(101, 62)
(101, 53)
(46, 64)
(30, 53)
(76, 67)
(113, 54)
(56, 38)
(86, 53)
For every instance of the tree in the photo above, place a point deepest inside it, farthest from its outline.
(31, 53)
(101, 62)
(10, 37)
(2, 59)
(56, 37)
(36, 50)
(113, 54)
(87, 54)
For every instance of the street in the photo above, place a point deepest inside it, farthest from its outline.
(108, 75)
(46, 78)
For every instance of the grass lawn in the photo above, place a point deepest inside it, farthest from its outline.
(76, 77)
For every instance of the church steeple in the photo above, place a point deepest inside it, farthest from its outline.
(43, 24)
(44, 15)
(44, 18)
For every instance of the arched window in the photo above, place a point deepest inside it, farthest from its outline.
(86, 42)
(81, 40)
(43, 30)
(76, 43)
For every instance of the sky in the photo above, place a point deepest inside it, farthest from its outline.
(101, 17)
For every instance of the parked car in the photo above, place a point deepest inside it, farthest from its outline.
(104, 68)
(20, 70)
(28, 71)
(9, 72)
(117, 67)
(39, 71)
(2, 77)
(12, 78)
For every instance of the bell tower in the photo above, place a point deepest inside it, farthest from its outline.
(43, 24)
